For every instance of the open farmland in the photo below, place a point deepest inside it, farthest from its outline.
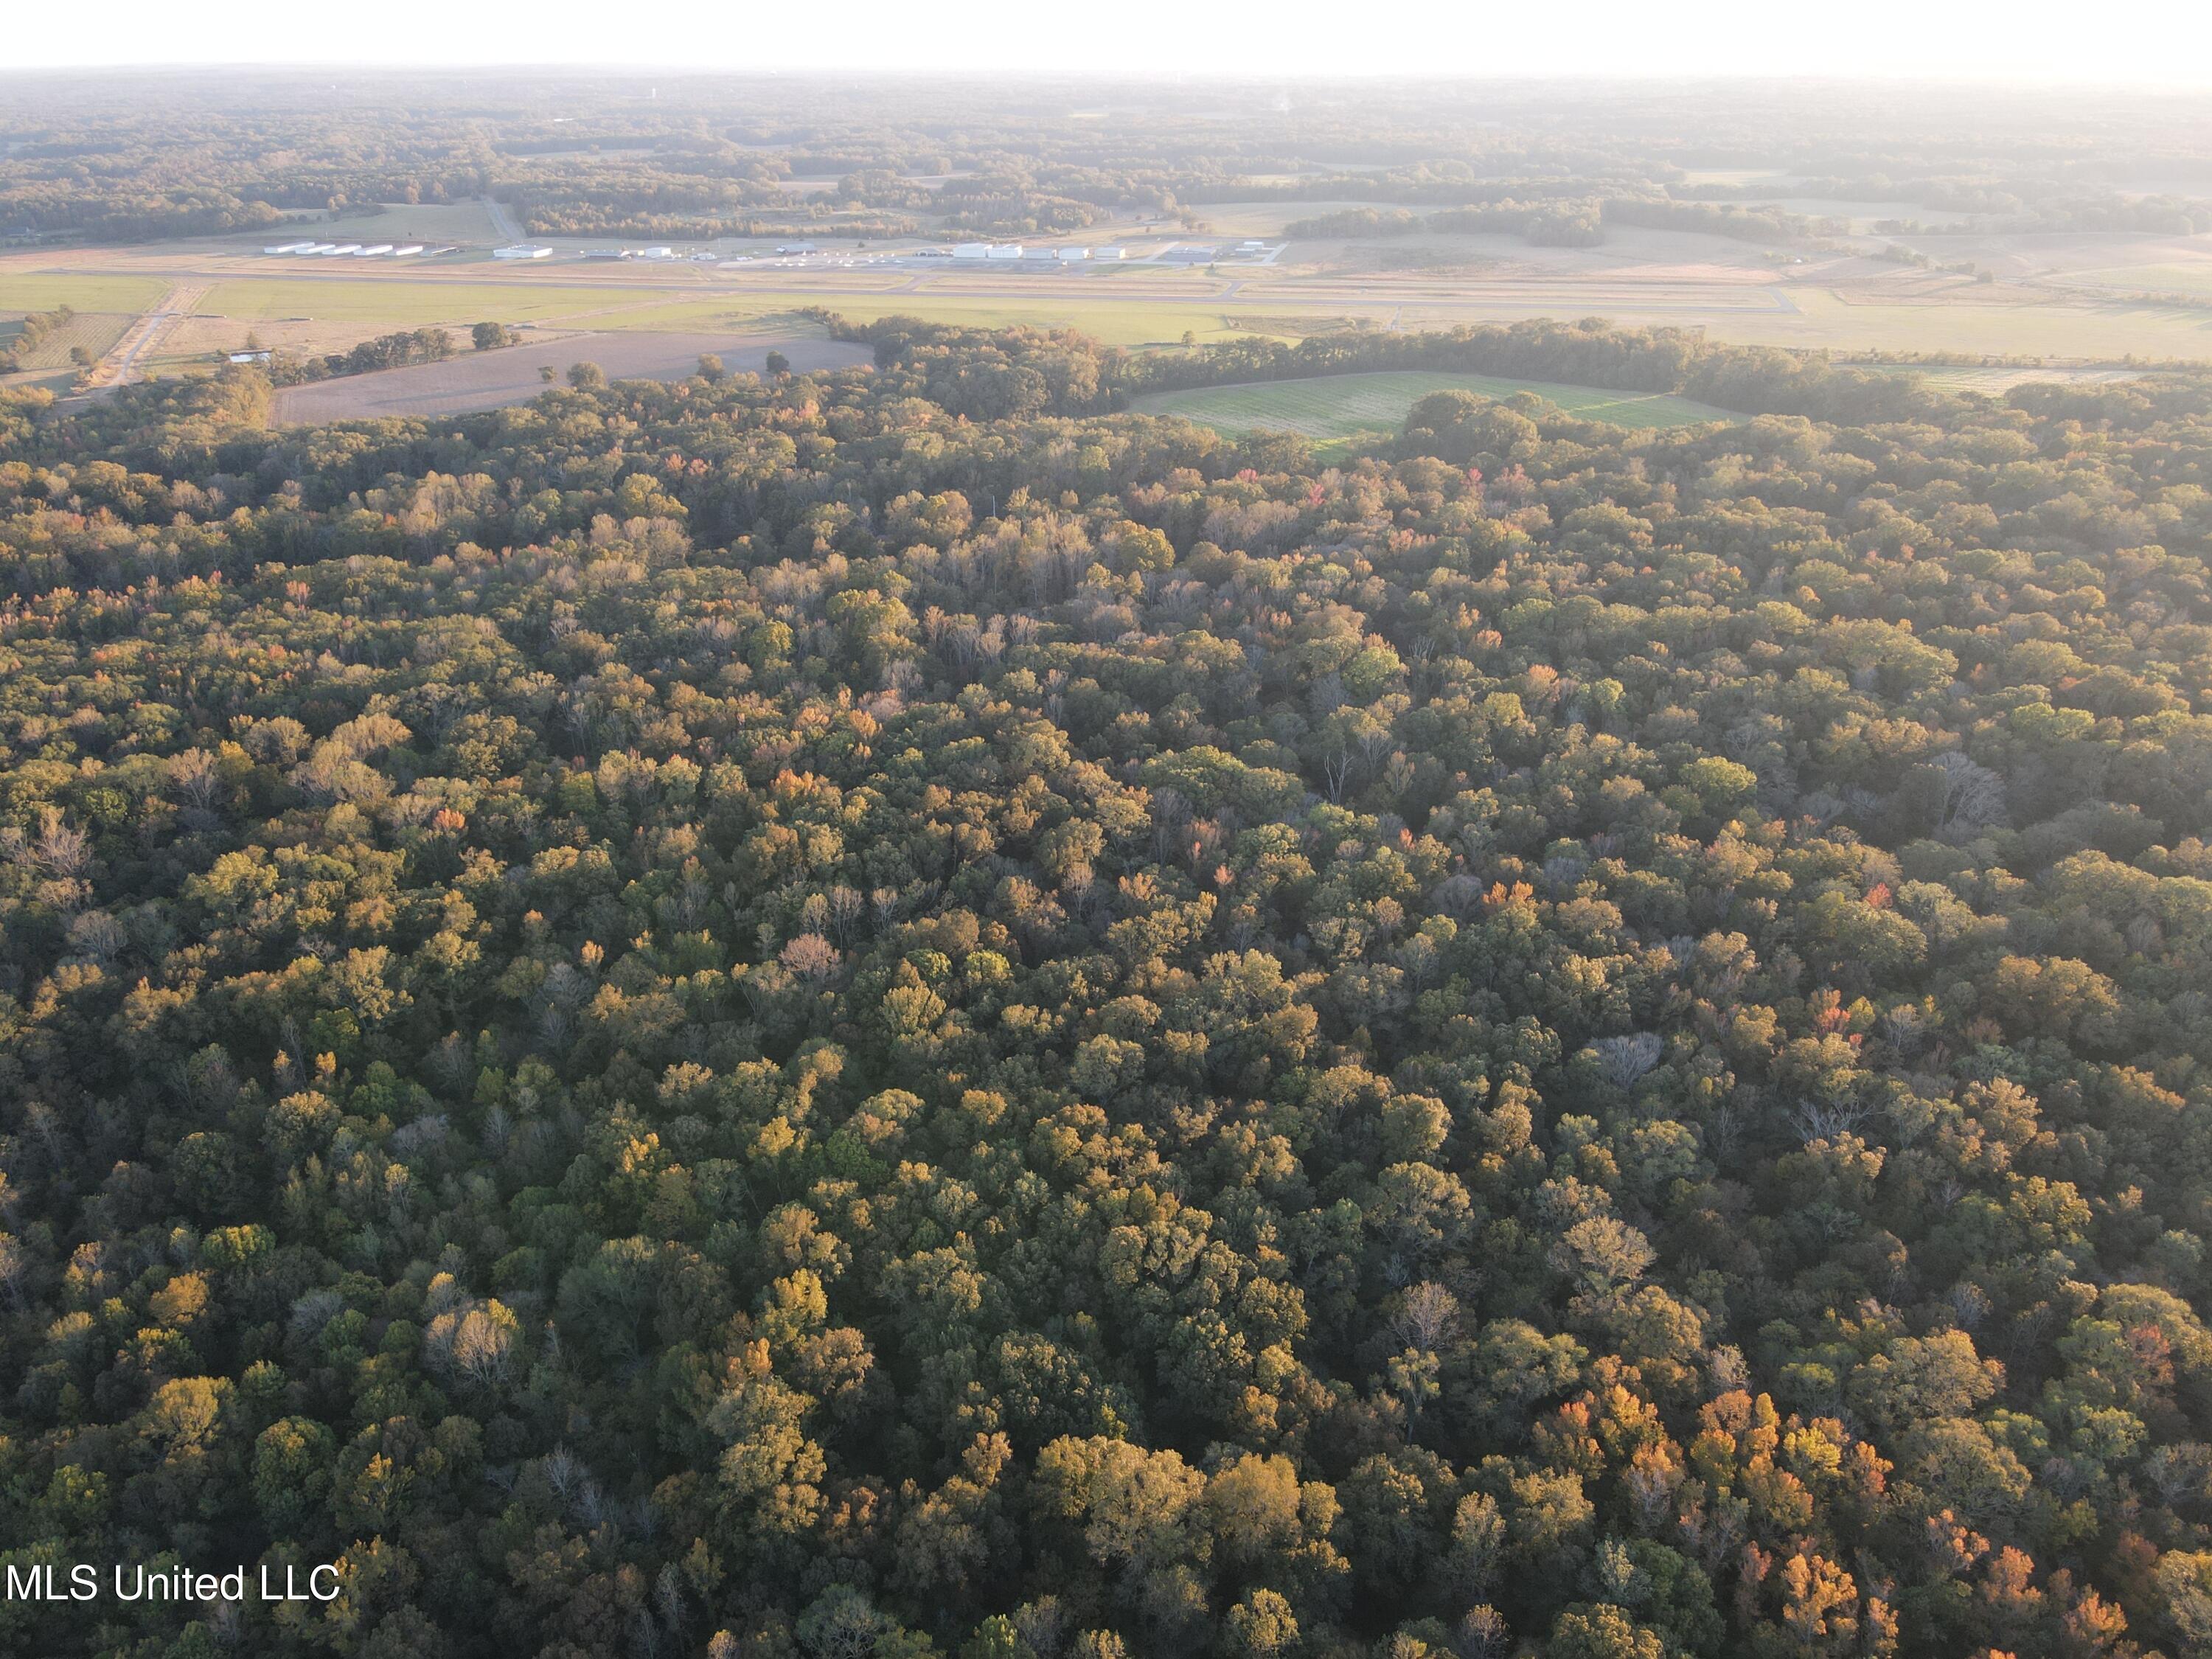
(1265, 217)
(368, 295)
(2059, 297)
(196, 340)
(96, 332)
(2191, 276)
(412, 221)
(1341, 406)
(23, 288)
(1142, 307)
(491, 380)
(1992, 380)
(467, 222)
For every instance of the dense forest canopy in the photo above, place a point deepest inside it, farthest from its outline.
(891, 1013)
(672, 155)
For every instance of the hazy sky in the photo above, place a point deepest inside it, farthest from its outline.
(2165, 42)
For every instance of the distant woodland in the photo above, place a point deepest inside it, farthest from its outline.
(578, 156)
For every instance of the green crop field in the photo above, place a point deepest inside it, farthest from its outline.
(1339, 406)
(42, 290)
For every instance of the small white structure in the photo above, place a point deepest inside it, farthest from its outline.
(522, 251)
(309, 249)
(1074, 255)
(432, 253)
(375, 251)
(339, 250)
(656, 253)
(407, 250)
(1003, 251)
(971, 250)
(288, 247)
(249, 357)
(1109, 253)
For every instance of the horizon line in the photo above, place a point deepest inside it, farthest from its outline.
(2011, 79)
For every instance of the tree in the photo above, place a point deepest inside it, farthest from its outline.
(1262, 1626)
(1601, 1632)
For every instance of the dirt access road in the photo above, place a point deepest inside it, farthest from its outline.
(120, 366)
(502, 221)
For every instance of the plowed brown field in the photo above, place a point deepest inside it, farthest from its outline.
(491, 379)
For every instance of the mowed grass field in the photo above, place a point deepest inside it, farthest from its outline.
(23, 291)
(1113, 320)
(406, 304)
(1263, 217)
(398, 303)
(1335, 407)
(465, 222)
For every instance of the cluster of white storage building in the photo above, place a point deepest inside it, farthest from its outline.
(357, 250)
(660, 255)
(1066, 256)
(1001, 255)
